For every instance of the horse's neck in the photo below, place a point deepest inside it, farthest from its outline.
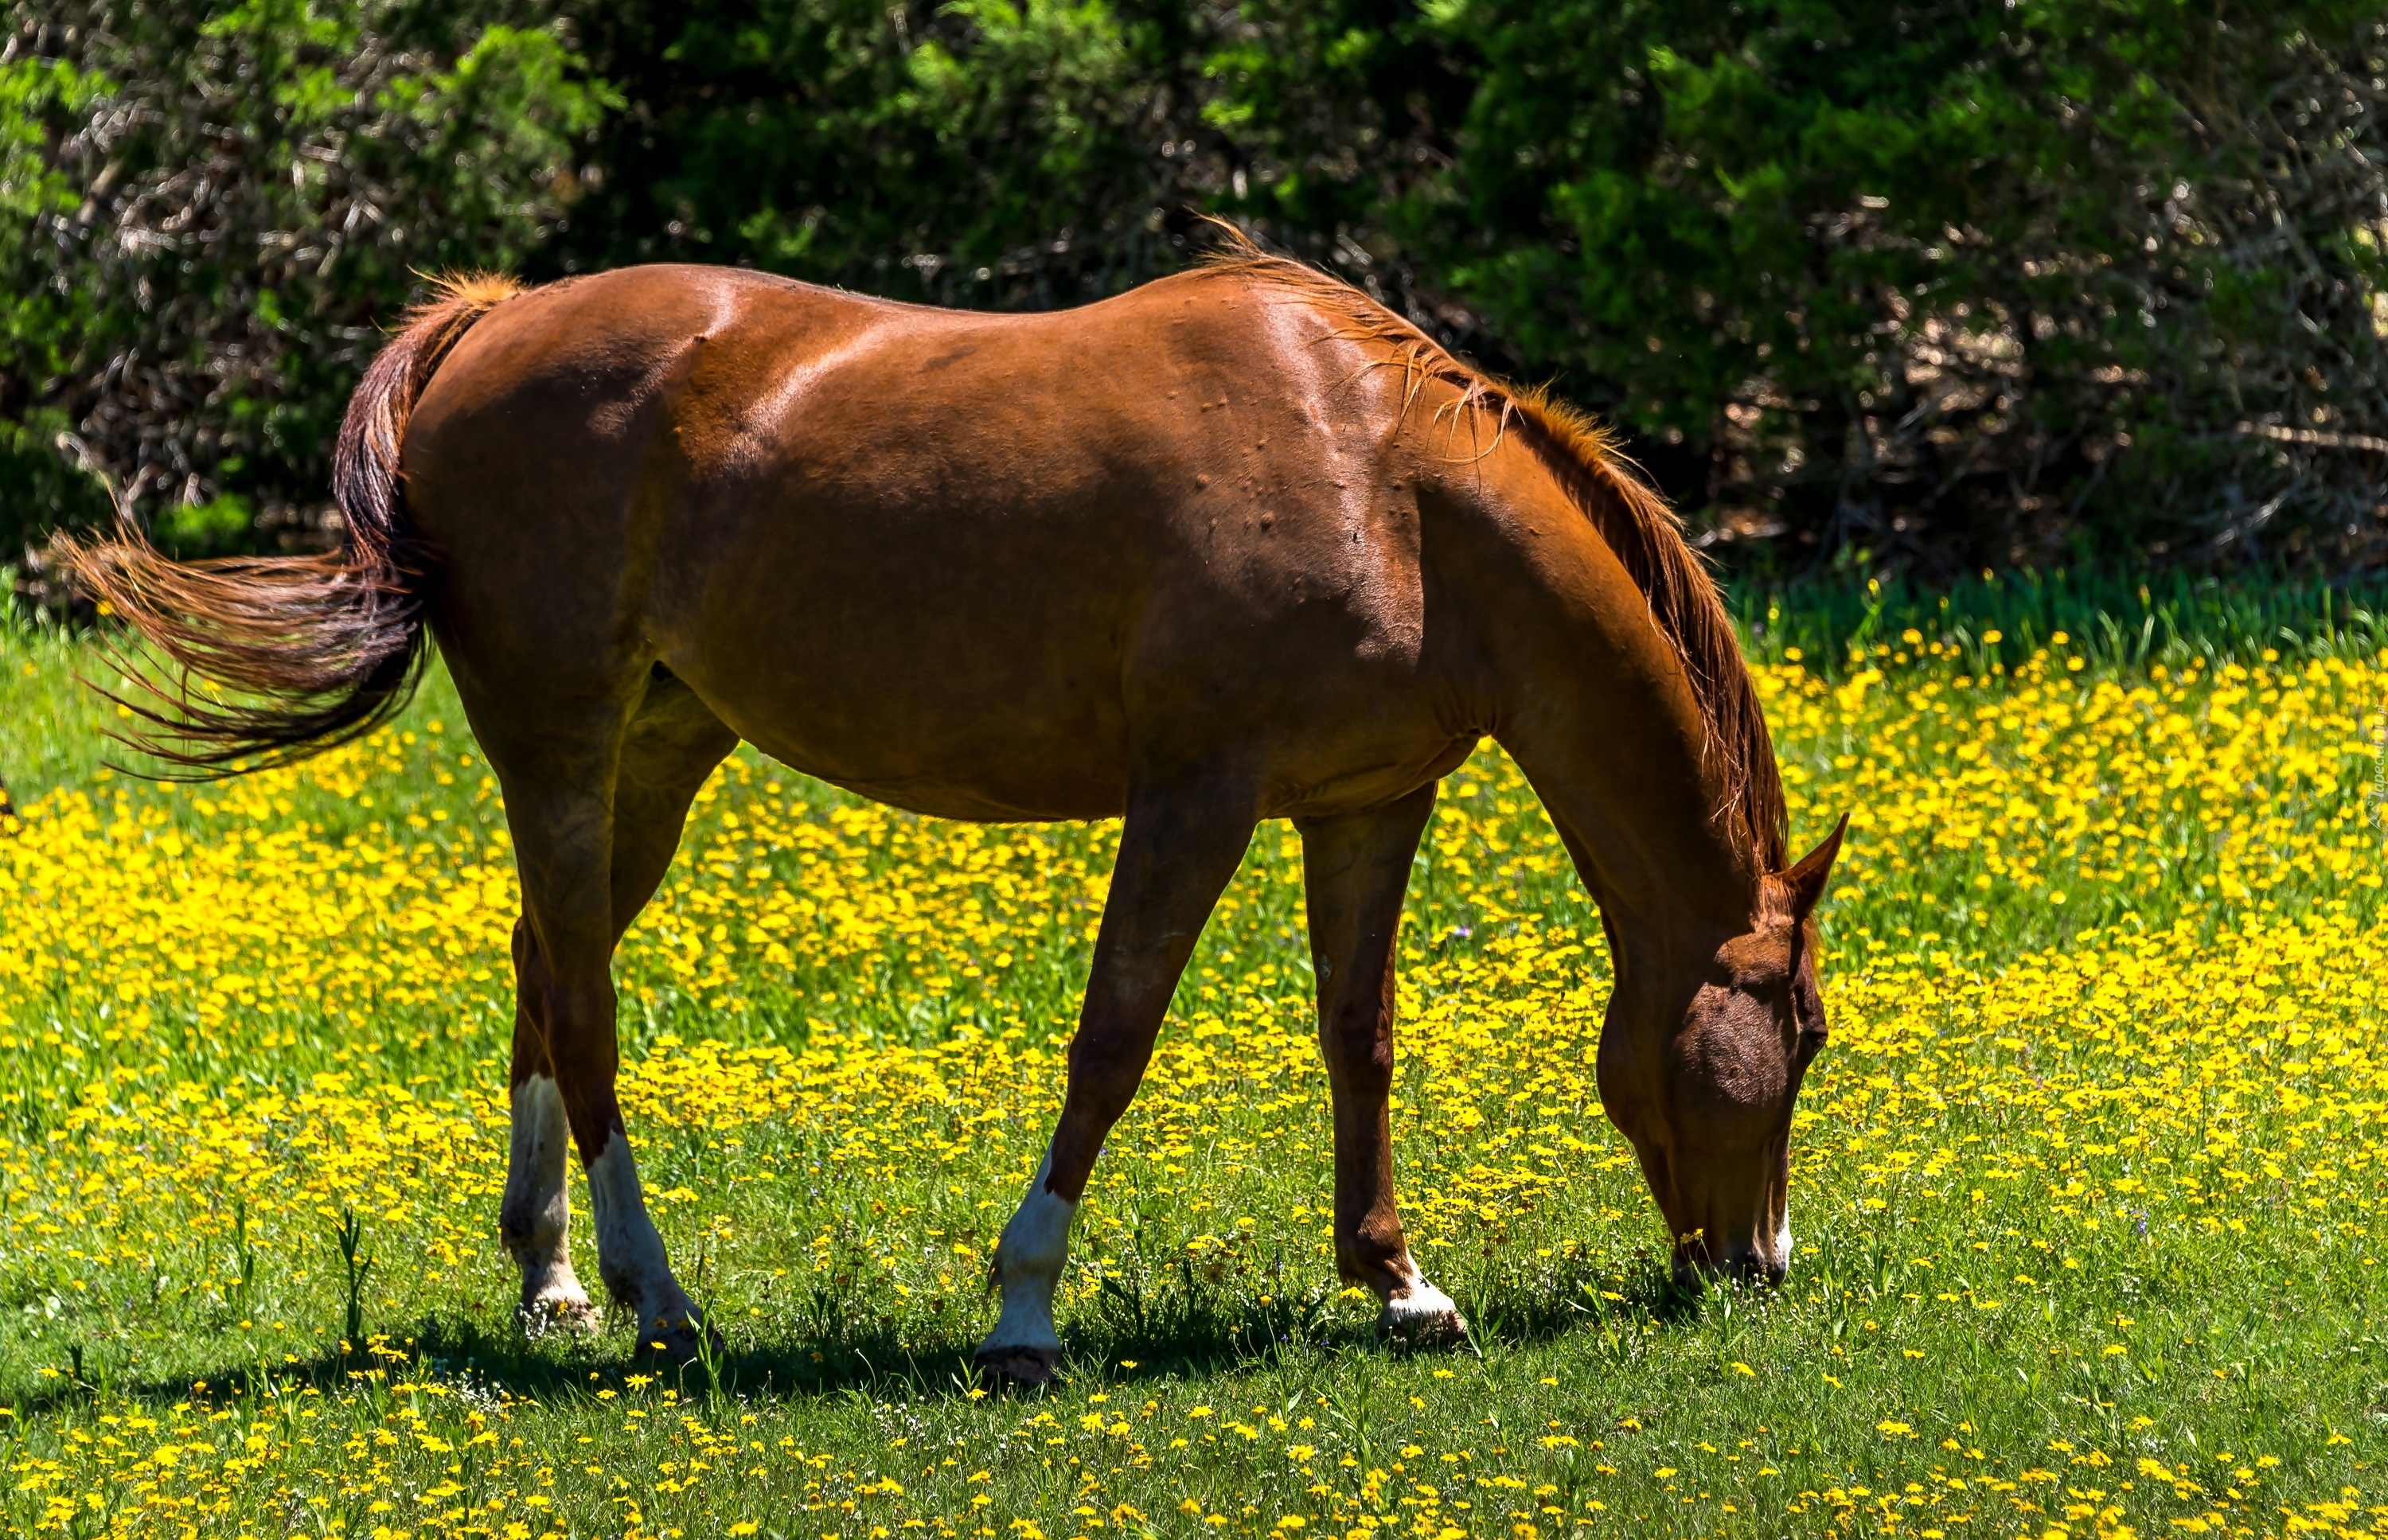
(1664, 871)
(1608, 734)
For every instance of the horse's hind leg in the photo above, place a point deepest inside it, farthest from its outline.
(1176, 854)
(534, 1218)
(1357, 867)
(564, 1052)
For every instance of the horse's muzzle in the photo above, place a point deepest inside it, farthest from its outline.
(1695, 1264)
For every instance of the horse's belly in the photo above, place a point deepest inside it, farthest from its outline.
(947, 702)
(1044, 764)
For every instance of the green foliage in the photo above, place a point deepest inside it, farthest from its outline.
(1926, 285)
(1931, 280)
(216, 527)
(43, 311)
(211, 211)
(978, 153)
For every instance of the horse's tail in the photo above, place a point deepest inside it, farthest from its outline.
(315, 649)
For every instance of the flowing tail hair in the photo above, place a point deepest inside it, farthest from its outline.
(304, 653)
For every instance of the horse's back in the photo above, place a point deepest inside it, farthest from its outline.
(992, 565)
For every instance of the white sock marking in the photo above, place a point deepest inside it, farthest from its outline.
(1419, 1302)
(1034, 1245)
(630, 1252)
(535, 1214)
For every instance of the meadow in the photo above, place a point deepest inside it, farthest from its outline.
(2089, 1185)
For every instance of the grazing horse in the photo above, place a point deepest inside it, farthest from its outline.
(1238, 544)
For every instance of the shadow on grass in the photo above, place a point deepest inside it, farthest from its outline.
(1141, 1324)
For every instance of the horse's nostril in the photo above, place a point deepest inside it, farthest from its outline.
(1696, 1269)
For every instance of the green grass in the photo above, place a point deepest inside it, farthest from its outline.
(2117, 621)
(52, 729)
(1962, 1346)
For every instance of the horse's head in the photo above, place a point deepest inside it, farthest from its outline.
(1699, 1070)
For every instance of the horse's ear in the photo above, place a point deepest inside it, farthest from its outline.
(1803, 884)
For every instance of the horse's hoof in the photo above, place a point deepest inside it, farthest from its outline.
(678, 1342)
(1030, 1367)
(1425, 1315)
(570, 1313)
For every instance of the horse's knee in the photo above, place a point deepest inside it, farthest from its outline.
(1103, 1079)
(1102, 1101)
(1358, 1043)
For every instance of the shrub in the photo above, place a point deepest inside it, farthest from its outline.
(211, 210)
(1941, 284)
(1927, 286)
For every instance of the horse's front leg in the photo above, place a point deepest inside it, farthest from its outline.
(1357, 867)
(1177, 853)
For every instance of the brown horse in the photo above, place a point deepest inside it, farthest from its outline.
(1237, 545)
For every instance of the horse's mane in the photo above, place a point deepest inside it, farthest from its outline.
(1634, 520)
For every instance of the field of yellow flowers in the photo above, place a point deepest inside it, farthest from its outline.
(2088, 1187)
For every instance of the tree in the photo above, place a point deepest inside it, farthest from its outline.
(1938, 283)
(979, 152)
(214, 213)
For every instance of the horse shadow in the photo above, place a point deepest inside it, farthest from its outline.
(1125, 1335)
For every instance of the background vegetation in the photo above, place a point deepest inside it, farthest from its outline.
(1931, 285)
